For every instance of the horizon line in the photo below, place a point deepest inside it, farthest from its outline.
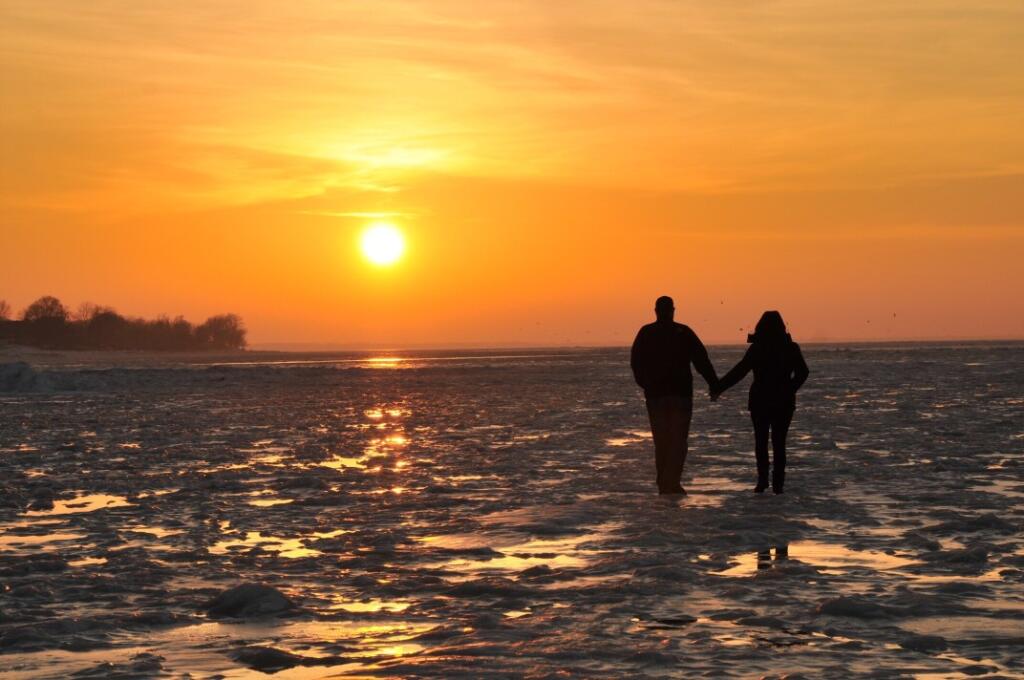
(331, 347)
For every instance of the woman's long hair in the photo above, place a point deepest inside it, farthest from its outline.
(771, 328)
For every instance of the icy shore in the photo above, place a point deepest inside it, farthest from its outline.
(496, 514)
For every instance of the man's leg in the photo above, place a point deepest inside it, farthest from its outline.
(680, 411)
(762, 424)
(658, 412)
(686, 413)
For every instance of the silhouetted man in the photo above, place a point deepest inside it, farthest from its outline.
(661, 358)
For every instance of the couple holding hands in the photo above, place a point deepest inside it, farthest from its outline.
(661, 358)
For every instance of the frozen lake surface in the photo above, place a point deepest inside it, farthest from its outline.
(463, 515)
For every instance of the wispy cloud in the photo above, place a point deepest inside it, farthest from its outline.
(357, 215)
(227, 101)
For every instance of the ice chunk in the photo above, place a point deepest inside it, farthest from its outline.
(18, 377)
(271, 660)
(924, 643)
(249, 600)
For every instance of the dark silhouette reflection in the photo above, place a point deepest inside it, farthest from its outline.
(764, 557)
(779, 372)
(660, 359)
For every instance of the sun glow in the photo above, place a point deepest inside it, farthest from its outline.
(383, 244)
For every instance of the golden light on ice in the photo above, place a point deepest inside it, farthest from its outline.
(382, 244)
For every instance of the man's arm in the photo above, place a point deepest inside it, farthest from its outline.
(637, 360)
(699, 357)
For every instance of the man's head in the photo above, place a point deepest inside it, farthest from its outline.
(664, 308)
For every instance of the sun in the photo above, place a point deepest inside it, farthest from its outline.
(382, 243)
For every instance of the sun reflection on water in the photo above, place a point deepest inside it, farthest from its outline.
(158, 532)
(87, 561)
(385, 362)
(266, 499)
(270, 502)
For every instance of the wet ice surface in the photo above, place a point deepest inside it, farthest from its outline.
(440, 518)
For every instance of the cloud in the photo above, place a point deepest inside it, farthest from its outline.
(227, 101)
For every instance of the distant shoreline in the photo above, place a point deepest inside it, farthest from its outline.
(128, 358)
(118, 357)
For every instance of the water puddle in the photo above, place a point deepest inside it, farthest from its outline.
(991, 576)
(373, 605)
(267, 499)
(272, 459)
(330, 534)
(203, 650)
(159, 532)
(703, 485)
(458, 541)
(514, 555)
(374, 640)
(967, 627)
(159, 492)
(514, 563)
(87, 562)
(291, 548)
(517, 613)
(1004, 487)
(270, 502)
(827, 556)
(87, 503)
(19, 541)
(342, 462)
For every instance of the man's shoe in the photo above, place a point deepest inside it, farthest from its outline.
(677, 491)
(778, 490)
(761, 486)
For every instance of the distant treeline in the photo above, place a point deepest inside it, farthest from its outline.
(47, 323)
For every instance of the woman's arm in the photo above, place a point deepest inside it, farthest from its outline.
(800, 370)
(738, 372)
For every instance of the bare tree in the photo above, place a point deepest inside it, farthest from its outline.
(46, 308)
(107, 329)
(48, 323)
(5, 310)
(225, 331)
(89, 310)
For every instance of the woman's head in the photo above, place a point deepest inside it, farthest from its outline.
(770, 327)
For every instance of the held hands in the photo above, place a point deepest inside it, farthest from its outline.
(714, 391)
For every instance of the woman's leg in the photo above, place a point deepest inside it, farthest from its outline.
(762, 423)
(780, 429)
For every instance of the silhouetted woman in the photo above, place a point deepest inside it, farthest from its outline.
(779, 371)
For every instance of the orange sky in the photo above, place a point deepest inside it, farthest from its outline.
(555, 166)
